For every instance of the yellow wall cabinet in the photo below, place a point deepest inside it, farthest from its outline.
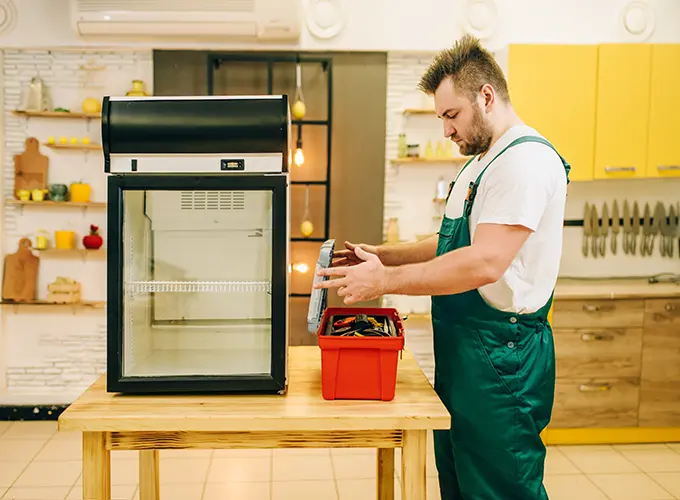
(663, 157)
(553, 89)
(622, 116)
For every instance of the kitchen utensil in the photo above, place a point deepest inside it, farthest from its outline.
(616, 225)
(587, 230)
(635, 227)
(646, 230)
(658, 223)
(605, 229)
(37, 96)
(21, 274)
(595, 230)
(30, 168)
(672, 226)
(663, 232)
(627, 229)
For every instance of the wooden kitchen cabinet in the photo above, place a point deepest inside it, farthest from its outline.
(553, 89)
(660, 387)
(622, 117)
(663, 157)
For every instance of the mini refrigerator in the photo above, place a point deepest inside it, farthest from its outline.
(198, 255)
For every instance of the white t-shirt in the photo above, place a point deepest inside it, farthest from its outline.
(526, 185)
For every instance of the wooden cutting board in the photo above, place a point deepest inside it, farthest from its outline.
(21, 274)
(30, 168)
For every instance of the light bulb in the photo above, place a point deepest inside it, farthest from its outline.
(299, 157)
(301, 267)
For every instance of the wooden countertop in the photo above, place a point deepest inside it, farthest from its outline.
(415, 406)
(614, 289)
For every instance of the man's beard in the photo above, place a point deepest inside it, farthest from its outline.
(480, 136)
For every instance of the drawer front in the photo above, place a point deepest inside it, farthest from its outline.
(659, 312)
(598, 313)
(659, 404)
(597, 402)
(598, 352)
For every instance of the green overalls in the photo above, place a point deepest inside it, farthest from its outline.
(495, 373)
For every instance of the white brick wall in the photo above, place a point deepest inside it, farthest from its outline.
(51, 352)
(409, 189)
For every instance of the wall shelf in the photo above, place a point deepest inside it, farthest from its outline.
(52, 204)
(81, 147)
(455, 161)
(57, 114)
(89, 304)
(419, 111)
(71, 252)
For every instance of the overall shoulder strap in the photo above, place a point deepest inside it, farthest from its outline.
(472, 189)
(451, 184)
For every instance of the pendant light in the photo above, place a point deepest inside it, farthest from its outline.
(299, 154)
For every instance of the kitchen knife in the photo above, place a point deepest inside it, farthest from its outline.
(627, 229)
(646, 230)
(658, 224)
(605, 229)
(586, 229)
(635, 227)
(672, 229)
(616, 225)
(594, 230)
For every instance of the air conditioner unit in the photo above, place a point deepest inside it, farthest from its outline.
(266, 20)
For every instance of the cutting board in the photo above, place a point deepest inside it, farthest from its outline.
(30, 168)
(21, 274)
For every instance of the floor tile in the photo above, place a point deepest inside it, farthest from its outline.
(124, 472)
(4, 425)
(237, 470)
(572, 487)
(238, 491)
(654, 460)
(20, 450)
(2, 491)
(171, 454)
(61, 449)
(37, 493)
(64, 473)
(598, 459)
(296, 490)
(301, 452)
(355, 466)
(184, 470)
(364, 489)
(353, 451)
(629, 487)
(242, 454)
(557, 463)
(182, 491)
(640, 447)
(669, 481)
(29, 430)
(9, 472)
(117, 492)
(674, 446)
(303, 468)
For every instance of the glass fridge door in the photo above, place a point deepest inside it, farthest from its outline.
(198, 273)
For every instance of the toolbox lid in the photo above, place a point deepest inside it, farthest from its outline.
(317, 302)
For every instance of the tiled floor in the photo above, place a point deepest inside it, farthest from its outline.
(37, 463)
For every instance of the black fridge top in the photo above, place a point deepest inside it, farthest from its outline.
(195, 125)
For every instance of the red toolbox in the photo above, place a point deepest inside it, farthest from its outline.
(362, 362)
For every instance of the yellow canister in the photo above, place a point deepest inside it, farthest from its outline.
(80, 193)
(64, 239)
(41, 240)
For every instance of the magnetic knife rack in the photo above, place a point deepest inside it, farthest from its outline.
(579, 222)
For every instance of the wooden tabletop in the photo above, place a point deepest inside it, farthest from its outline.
(415, 406)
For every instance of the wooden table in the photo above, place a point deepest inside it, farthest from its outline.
(300, 419)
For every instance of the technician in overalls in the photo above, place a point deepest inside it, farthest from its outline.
(491, 272)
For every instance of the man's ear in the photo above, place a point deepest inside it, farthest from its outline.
(488, 95)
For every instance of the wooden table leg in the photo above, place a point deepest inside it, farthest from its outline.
(96, 467)
(385, 473)
(149, 475)
(413, 463)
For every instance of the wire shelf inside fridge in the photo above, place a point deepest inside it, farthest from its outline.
(142, 287)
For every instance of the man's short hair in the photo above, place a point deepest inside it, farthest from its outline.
(469, 65)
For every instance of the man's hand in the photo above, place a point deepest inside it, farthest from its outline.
(364, 281)
(348, 257)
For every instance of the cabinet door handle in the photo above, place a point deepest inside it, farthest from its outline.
(594, 387)
(668, 167)
(591, 336)
(596, 308)
(669, 307)
(619, 169)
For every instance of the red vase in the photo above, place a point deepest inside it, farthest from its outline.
(93, 241)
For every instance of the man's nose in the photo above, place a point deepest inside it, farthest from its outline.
(448, 130)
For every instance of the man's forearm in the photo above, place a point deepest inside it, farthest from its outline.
(454, 272)
(408, 253)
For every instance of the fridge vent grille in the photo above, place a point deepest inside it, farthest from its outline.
(213, 200)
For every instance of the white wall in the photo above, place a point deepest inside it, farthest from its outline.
(50, 354)
(408, 25)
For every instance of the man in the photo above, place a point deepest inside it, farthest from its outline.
(491, 272)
